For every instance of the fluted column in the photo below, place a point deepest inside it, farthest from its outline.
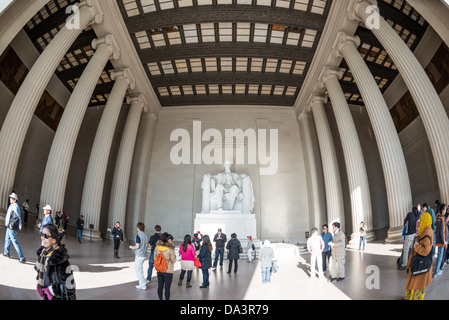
(332, 182)
(99, 156)
(352, 150)
(428, 103)
(58, 164)
(392, 157)
(317, 207)
(18, 119)
(119, 192)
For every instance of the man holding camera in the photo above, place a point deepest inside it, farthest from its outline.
(220, 240)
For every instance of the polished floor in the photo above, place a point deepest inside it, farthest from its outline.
(370, 274)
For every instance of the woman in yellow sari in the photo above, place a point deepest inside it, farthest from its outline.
(415, 287)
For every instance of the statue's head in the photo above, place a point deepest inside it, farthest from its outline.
(227, 165)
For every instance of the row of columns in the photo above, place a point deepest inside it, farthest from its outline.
(392, 157)
(19, 116)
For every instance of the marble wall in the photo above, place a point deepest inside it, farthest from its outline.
(174, 191)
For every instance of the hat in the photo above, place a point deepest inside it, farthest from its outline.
(250, 237)
(219, 229)
(47, 207)
(14, 196)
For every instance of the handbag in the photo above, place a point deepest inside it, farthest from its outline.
(421, 264)
(197, 263)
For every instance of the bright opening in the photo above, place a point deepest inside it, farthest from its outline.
(4, 4)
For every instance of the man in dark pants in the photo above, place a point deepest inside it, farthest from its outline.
(220, 241)
(153, 239)
(327, 251)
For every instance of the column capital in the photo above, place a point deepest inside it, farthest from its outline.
(110, 41)
(127, 74)
(138, 98)
(355, 5)
(328, 72)
(314, 98)
(341, 39)
(96, 7)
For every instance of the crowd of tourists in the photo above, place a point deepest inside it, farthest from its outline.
(424, 255)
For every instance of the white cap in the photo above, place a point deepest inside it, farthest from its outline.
(47, 207)
(14, 196)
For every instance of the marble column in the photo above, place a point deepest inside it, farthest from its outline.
(315, 185)
(355, 164)
(332, 182)
(58, 164)
(18, 119)
(99, 155)
(428, 103)
(119, 191)
(397, 181)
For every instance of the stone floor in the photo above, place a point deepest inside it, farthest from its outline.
(370, 274)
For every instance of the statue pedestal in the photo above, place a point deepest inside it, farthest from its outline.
(229, 221)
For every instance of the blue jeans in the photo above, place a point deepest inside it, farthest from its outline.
(439, 259)
(266, 275)
(80, 235)
(11, 236)
(205, 277)
(150, 266)
(219, 252)
(362, 240)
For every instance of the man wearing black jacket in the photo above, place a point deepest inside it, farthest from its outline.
(153, 239)
(220, 240)
(410, 222)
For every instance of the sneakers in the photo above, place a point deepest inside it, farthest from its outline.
(23, 260)
(141, 287)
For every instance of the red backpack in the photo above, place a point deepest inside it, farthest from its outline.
(160, 264)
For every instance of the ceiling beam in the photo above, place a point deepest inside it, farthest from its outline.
(227, 78)
(206, 50)
(224, 13)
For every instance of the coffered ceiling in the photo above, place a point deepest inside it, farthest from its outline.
(217, 52)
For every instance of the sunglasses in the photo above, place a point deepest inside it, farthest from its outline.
(44, 235)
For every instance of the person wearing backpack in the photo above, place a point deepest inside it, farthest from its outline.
(440, 237)
(164, 251)
(415, 287)
(140, 250)
(250, 247)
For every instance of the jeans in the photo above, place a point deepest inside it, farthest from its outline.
(326, 256)
(164, 281)
(11, 236)
(362, 240)
(80, 234)
(439, 259)
(266, 275)
(408, 243)
(138, 266)
(219, 252)
(205, 277)
(150, 266)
